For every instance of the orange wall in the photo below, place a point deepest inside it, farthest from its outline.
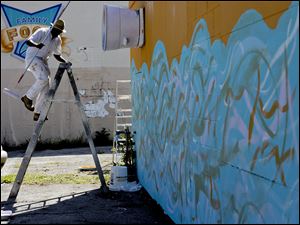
(173, 22)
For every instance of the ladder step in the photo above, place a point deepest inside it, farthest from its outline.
(124, 97)
(123, 81)
(124, 110)
(118, 117)
(121, 139)
(124, 124)
(63, 100)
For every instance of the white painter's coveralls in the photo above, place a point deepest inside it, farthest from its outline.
(39, 66)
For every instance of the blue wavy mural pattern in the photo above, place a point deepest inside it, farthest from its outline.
(218, 131)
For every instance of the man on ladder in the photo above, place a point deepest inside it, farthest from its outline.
(41, 45)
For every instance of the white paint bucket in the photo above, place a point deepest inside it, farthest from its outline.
(3, 157)
(118, 176)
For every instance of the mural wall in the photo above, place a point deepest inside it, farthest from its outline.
(218, 130)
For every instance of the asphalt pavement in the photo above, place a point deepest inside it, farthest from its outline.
(73, 203)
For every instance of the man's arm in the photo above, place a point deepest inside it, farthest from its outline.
(60, 58)
(33, 44)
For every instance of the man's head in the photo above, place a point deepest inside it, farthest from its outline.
(58, 28)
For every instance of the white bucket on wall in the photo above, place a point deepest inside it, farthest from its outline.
(118, 177)
(122, 28)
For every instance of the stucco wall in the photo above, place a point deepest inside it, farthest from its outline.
(97, 89)
(218, 122)
(95, 71)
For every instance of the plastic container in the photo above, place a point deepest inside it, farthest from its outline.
(118, 177)
(3, 157)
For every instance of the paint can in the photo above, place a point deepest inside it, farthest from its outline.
(3, 157)
(118, 177)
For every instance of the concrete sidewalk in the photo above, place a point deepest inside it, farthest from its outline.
(75, 203)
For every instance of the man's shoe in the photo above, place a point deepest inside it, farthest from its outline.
(36, 117)
(27, 103)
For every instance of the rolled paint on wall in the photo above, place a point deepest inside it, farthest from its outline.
(217, 131)
(97, 109)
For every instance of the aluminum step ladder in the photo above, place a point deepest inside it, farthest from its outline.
(123, 117)
(33, 141)
(123, 110)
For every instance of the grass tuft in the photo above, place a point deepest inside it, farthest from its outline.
(44, 179)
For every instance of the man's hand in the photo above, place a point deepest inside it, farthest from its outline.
(40, 45)
(61, 59)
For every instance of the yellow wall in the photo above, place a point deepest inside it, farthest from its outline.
(173, 22)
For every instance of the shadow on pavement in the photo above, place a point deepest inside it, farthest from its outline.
(93, 207)
(60, 152)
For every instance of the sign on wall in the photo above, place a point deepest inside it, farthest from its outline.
(21, 24)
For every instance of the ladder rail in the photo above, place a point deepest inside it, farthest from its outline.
(87, 129)
(33, 141)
